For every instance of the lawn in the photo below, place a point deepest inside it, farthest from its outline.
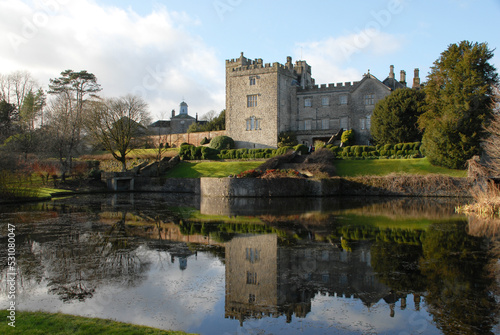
(380, 167)
(33, 323)
(211, 169)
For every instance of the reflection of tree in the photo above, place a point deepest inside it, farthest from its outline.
(457, 284)
(78, 263)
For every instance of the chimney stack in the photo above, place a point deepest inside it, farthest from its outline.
(391, 73)
(173, 113)
(416, 79)
(403, 77)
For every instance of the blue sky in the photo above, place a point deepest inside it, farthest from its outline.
(167, 50)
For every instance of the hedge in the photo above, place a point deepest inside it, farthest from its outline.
(400, 150)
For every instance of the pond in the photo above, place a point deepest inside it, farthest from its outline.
(257, 266)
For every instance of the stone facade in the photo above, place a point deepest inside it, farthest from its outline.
(263, 100)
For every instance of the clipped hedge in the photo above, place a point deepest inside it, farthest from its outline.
(400, 150)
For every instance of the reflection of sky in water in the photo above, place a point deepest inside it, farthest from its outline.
(194, 300)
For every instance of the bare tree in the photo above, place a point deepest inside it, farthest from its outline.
(62, 128)
(117, 123)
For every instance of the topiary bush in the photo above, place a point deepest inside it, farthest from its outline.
(222, 142)
(302, 149)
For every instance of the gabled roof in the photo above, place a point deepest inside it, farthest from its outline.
(367, 77)
(183, 116)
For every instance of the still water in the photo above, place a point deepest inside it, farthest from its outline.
(257, 266)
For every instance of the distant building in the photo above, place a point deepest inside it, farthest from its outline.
(178, 124)
(263, 100)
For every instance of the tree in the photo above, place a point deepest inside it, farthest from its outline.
(72, 90)
(117, 123)
(394, 118)
(8, 113)
(214, 123)
(459, 104)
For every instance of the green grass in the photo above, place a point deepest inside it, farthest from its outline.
(381, 167)
(34, 323)
(210, 169)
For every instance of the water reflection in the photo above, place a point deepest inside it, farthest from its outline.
(252, 265)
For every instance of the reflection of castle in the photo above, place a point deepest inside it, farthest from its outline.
(264, 279)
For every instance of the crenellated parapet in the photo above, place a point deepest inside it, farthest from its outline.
(330, 87)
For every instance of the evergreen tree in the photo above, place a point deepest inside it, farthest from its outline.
(394, 118)
(459, 104)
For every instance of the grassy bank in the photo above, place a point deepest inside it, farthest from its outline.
(381, 167)
(345, 168)
(210, 169)
(33, 323)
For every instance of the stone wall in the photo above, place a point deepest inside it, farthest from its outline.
(421, 186)
(175, 140)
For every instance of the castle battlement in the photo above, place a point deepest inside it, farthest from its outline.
(330, 87)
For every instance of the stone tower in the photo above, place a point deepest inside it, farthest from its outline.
(260, 98)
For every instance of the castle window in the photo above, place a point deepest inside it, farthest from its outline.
(363, 123)
(370, 99)
(252, 255)
(252, 100)
(252, 81)
(368, 122)
(251, 298)
(251, 278)
(325, 101)
(308, 102)
(343, 99)
(325, 124)
(253, 123)
(307, 124)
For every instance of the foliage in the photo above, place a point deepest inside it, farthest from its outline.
(302, 149)
(204, 141)
(8, 114)
(222, 142)
(66, 113)
(400, 150)
(217, 123)
(287, 139)
(347, 137)
(283, 150)
(394, 118)
(459, 96)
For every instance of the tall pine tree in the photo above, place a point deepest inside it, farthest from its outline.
(459, 96)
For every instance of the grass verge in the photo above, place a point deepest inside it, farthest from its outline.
(382, 167)
(34, 323)
(210, 169)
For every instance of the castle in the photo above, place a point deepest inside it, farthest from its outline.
(263, 100)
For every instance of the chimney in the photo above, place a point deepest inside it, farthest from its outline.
(416, 80)
(403, 77)
(173, 113)
(391, 73)
(196, 117)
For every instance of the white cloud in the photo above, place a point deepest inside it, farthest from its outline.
(151, 55)
(334, 55)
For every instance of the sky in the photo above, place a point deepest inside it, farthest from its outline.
(167, 51)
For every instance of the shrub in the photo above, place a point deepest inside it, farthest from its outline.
(209, 153)
(287, 139)
(204, 141)
(301, 148)
(283, 150)
(185, 151)
(347, 137)
(222, 142)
